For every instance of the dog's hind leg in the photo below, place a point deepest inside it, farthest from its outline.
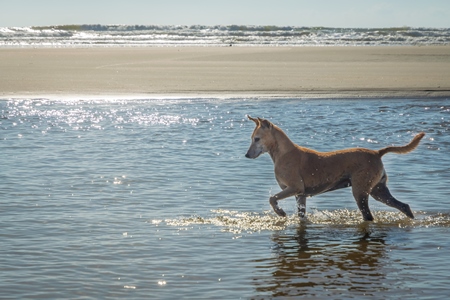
(301, 205)
(381, 193)
(362, 183)
(287, 192)
(362, 200)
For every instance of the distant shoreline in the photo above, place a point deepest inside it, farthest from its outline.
(279, 72)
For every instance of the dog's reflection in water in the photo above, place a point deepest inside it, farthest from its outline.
(317, 258)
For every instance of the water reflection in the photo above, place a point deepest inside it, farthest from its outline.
(323, 261)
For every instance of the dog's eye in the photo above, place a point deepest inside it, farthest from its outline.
(256, 139)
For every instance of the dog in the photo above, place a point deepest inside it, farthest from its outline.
(303, 172)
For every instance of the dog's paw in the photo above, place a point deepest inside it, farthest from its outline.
(280, 212)
(407, 211)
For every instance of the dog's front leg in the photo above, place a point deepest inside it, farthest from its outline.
(287, 192)
(301, 205)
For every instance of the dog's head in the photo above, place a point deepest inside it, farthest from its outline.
(260, 137)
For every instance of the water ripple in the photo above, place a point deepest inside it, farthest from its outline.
(130, 198)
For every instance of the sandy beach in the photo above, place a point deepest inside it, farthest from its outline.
(328, 72)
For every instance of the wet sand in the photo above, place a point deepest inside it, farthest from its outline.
(324, 72)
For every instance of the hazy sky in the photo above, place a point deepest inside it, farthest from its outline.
(332, 13)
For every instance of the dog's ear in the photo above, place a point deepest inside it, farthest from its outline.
(265, 123)
(253, 119)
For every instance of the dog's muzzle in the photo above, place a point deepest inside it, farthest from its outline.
(248, 155)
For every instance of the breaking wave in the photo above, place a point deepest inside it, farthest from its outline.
(219, 35)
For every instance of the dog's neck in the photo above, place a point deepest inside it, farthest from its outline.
(281, 144)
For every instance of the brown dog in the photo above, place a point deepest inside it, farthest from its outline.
(303, 172)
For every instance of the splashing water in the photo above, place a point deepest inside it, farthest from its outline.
(252, 222)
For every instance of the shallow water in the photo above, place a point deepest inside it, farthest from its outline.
(155, 199)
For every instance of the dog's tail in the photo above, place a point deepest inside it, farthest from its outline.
(403, 149)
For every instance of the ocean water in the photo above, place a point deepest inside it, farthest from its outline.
(154, 199)
(221, 35)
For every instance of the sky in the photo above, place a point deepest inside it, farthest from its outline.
(329, 13)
